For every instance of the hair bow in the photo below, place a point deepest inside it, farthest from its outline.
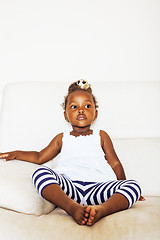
(83, 84)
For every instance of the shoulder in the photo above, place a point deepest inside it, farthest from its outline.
(59, 137)
(57, 140)
(105, 138)
(103, 134)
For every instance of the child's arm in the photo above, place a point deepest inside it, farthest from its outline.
(36, 157)
(111, 156)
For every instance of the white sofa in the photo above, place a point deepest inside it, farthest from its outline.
(30, 117)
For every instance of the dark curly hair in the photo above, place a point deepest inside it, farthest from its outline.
(75, 87)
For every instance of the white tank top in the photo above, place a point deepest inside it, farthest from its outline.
(82, 158)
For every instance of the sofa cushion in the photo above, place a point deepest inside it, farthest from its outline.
(139, 222)
(17, 191)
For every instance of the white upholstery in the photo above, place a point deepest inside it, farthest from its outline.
(139, 222)
(17, 191)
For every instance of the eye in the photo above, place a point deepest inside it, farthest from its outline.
(88, 106)
(73, 106)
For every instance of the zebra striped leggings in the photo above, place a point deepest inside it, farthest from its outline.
(86, 193)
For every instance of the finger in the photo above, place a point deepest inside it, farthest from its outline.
(4, 155)
(9, 157)
(6, 159)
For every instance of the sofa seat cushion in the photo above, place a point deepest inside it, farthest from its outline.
(142, 221)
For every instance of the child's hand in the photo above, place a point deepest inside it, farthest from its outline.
(142, 198)
(7, 156)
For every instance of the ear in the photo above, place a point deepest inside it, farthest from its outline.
(65, 116)
(96, 114)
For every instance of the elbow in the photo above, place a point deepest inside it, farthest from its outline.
(37, 158)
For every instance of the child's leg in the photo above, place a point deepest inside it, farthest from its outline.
(54, 194)
(50, 184)
(116, 196)
(117, 202)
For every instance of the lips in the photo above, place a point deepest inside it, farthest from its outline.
(81, 117)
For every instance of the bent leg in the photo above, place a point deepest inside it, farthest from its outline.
(54, 194)
(55, 188)
(114, 197)
(115, 203)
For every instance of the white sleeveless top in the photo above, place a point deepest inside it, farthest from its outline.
(82, 158)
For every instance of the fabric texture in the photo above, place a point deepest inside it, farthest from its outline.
(17, 191)
(86, 193)
(82, 158)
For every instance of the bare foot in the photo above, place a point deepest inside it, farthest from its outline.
(95, 213)
(78, 212)
(142, 198)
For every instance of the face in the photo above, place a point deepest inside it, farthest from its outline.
(80, 109)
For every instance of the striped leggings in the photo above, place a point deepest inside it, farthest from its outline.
(86, 193)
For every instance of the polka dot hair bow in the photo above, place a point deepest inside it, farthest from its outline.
(83, 84)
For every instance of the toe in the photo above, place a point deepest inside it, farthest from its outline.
(84, 220)
(86, 215)
(91, 218)
(88, 209)
(92, 212)
(89, 223)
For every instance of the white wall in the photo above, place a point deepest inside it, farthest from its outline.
(64, 40)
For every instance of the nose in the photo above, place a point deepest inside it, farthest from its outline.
(81, 111)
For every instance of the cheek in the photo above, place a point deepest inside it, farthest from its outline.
(70, 114)
(94, 114)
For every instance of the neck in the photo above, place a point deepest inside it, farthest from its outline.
(81, 131)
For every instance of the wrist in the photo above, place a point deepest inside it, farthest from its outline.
(15, 155)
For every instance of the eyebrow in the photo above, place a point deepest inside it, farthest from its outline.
(77, 101)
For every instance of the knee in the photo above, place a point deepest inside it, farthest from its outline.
(40, 174)
(43, 177)
(39, 171)
(134, 185)
(132, 190)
